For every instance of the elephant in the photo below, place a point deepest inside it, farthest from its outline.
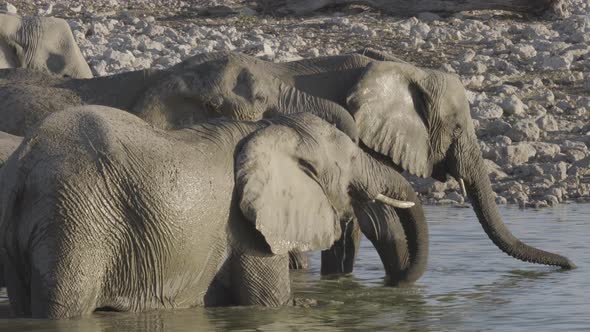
(99, 209)
(41, 43)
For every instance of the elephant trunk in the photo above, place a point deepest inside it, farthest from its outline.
(479, 190)
(400, 236)
(292, 100)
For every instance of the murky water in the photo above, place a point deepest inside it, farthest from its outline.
(469, 286)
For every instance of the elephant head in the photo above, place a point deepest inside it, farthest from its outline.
(299, 177)
(42, 43)
(229, 85)
(421, 120)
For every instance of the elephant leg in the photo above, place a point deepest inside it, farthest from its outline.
(298, 260)
(339, 259)
(260, 280)
(64, 284)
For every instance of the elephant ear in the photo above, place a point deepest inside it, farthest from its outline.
(280, 195)
(389, 104)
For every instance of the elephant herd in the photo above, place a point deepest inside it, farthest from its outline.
(195, 185)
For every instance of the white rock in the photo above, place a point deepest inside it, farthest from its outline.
(48, 10)
(524, 51)
(513, 106)
(338, 20)
(9, 8)
(546, 151)
(519, 153)
(539, 31)
(467, 56)
(121, 59)
(98, 28)
(525, 130)
(313, 52)
(548, 123)
(420, 29)
(100, 68)
(447, 68)
(486, 111)
(545, 96)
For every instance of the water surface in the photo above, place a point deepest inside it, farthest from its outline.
(470, 285)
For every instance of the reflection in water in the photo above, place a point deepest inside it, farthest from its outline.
(469, 286)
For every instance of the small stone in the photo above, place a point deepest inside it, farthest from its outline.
(9, 8)
(513, 106)
(313, 52)
(546, 151)
(494, 171)
(545, 96)
(526, 170)
(454, 196)
(551, 200)
(475, 67)
(557, 170)
(486, 110)
(501, 200)
(557, 63)
(420, 29)
(536, 204)
(518, 154)
(548, 123)
(539, 31)
(526, 130)
(524, 51)
(438, 194)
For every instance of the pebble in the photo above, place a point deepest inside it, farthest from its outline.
(8, 8)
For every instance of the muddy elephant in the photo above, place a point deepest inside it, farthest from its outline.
(41, 43)
(99, 209)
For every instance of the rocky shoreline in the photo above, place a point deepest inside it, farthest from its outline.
(528, 78)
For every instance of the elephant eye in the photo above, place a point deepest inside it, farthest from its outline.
(260, 98)
(308, 168)
(214, 104)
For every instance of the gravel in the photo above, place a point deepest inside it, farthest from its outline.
(528, 78)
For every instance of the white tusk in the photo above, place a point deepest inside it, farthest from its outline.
(462, 185)
(394, 202)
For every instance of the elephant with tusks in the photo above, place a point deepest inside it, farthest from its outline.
(99, 209)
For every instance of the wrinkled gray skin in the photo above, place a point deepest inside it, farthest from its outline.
(100, 209)
(8, 144)
(41, 43)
